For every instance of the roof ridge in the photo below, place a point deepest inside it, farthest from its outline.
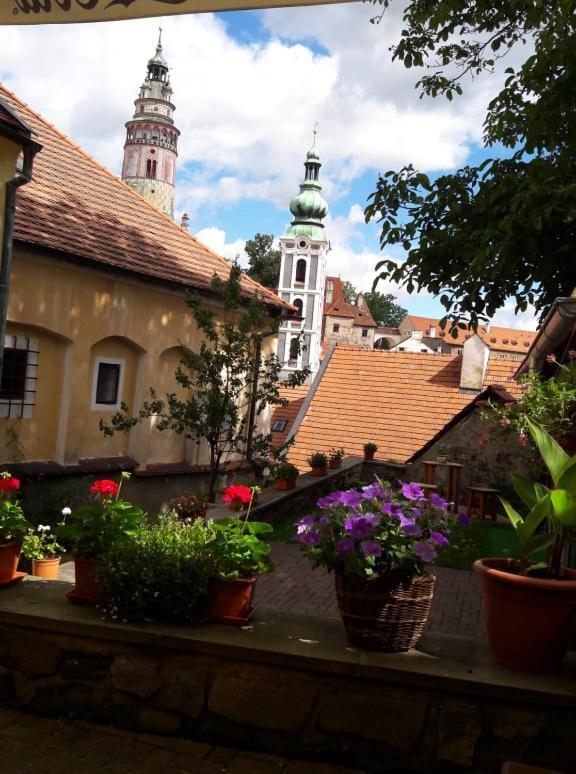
(121, 183)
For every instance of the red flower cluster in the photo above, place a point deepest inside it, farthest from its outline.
(9, 484)
(104, 488)
(237, 496)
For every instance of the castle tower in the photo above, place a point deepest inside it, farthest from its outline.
(150, 150)
(304, 250)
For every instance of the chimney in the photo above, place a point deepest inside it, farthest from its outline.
(474, 361)
(185, 222)
(432, 332)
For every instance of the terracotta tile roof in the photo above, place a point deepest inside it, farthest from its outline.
(339, 307)
(398, 400)
(495, 337)
(387, 329)
(75, 206)
(296, 397)
(501, 372)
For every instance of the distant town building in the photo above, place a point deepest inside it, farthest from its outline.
(304, 249)
(151, 146)
(345, 322)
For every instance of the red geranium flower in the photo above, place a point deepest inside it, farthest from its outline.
(9, 484)
(104, 487)
(237, 496)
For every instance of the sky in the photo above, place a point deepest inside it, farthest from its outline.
(249, 87)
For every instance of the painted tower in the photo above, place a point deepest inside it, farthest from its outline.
(150, 150)
(304, 250)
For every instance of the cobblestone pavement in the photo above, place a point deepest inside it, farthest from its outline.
(296, 587)
(60, 746)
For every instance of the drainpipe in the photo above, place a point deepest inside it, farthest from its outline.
(13, 129)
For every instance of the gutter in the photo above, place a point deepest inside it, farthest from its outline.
(556, 326)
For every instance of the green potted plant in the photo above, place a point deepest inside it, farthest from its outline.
(442, 452)
(530, 601)
(160, 572)
(239, 556)
(380, 544)
(92, 530)
(335, 457)
(370, 450)
(319, 464)
(286, 475)
(13, 527)
(44, 551)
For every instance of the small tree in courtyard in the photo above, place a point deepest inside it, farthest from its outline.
(228, 382)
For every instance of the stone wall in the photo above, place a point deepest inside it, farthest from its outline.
(488, 455)
(289, 685)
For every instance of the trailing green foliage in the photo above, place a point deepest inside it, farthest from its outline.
(507, 227)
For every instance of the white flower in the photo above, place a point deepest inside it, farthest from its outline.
(43, 528)
(66, 511)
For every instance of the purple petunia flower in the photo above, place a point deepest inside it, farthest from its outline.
(345, 546)
(362, 525)
(426, 551)
(437, 501)
(411, 530)
(464, 520)
(306, 521)
(373, 491)
(351, 498)
(309, 537)
(371, 548)
(439, 538)
(416, 511)
(331, 499)
(412, 491)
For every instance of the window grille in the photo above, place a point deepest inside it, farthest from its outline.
(279, 425)
(18, 384)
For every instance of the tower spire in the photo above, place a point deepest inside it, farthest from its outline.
(159, 44)
(309, 207)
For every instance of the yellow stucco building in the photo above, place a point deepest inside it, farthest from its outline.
(97, 310)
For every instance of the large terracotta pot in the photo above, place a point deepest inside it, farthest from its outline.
(529, 621)
(87, 590)
(368, 455)
(321, 471)
(385, 614)
(283, 484)
(46, 568)
(230, 602)
(9, 558)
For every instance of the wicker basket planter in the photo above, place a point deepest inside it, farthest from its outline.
(385, 614)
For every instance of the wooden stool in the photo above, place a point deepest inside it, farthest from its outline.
(428, 488)
(485, 496)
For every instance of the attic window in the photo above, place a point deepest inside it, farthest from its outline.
(514, 342)
(526, 343)
(335, 328)
(505, 341)
(493, 339)
(364, 333)
(279, 425)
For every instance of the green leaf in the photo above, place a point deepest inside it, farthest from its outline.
(552, 453)
(567, 477)
(564, 505)
(539, 512)
(528, 491)
(515, 519)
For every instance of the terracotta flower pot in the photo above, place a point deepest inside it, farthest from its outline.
(529, 620)
(9, 558)
(283, 484)
(230, 602)
(322, 471)
(335, 464)
(368, 456)
(46, 568)
(87, 590)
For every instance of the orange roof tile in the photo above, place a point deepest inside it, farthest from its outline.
(339, 307)
(295, 396)
(398, 400)
(495, 337)
(76, 207)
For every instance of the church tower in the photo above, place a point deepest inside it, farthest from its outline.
(304, 250)
(150, 150)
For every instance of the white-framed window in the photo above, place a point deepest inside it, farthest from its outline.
(279, 425)
(19, 377)
(107, 383)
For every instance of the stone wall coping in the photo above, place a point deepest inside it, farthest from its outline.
(294, 641)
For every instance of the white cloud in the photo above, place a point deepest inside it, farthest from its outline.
(246, 109)
(215, 239)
